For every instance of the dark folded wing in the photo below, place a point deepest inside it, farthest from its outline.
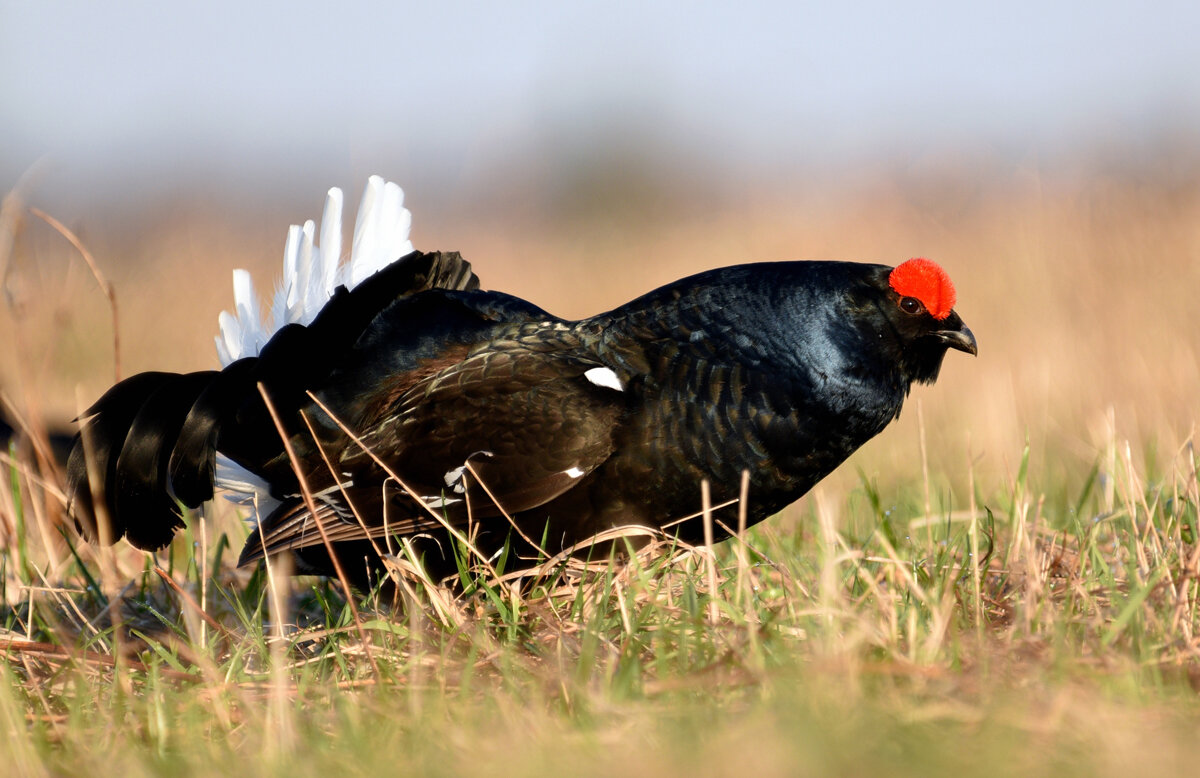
(513, 425)
(504, 430)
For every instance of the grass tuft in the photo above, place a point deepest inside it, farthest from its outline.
(1013, 632)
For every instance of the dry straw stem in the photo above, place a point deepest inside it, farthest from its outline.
(454, 531)
(312, 508)
(79, 658)
(399, 570)
(709, 561)
(27, 480)
(105, 286)
(106, 558)
(190, 602)
(512, 523)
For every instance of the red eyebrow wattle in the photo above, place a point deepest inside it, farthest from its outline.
(925, 280)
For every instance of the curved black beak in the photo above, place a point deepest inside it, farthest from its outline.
(961, 339)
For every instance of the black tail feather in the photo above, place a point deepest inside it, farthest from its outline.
(144, 494)
(193, 459)
(153, 437)
(106, 428)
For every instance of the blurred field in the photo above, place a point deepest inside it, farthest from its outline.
(893, 622)
(1081, 291)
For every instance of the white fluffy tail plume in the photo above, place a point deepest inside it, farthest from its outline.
(312, 272)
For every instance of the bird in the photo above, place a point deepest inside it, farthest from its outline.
(390, 404)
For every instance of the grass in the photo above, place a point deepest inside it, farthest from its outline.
(1021, 634)
(1004, 583)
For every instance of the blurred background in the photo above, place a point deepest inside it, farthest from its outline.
(1046, 154)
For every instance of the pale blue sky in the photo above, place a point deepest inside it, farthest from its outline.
(157, 90)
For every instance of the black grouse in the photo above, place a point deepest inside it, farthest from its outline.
(421, 408)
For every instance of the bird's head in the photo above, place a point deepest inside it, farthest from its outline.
(918, 308)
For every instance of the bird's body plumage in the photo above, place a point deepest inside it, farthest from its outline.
(420, 406)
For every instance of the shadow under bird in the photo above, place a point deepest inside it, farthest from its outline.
(420, 407)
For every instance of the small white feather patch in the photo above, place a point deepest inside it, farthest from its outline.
(246, 488)
(604, 376)
(335, 489)
(454, 476)
(439, 502)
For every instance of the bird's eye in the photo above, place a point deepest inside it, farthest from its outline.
(910, 305)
